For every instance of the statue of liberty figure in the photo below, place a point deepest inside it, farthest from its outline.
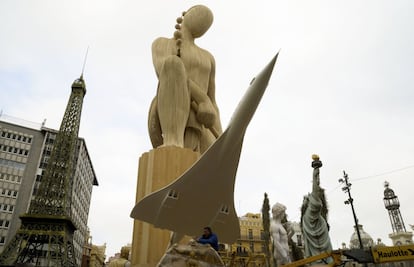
(314, 223)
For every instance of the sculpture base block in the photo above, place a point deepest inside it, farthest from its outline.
(157, 168)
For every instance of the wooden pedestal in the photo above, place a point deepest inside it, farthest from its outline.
(157, 168)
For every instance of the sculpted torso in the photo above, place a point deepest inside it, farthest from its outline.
(184, 112)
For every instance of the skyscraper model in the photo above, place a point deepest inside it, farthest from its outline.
(45, 237)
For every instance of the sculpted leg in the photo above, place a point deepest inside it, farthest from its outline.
(154, 127)
(192, 139)
(173, 101)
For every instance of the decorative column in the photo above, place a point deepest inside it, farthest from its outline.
(399, 235)
(157, 168)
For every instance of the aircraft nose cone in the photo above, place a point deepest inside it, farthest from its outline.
(267, 71)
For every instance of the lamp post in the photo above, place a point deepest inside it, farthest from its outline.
(350, 200)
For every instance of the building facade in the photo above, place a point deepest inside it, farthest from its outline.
(24, 155)
(249, 249)
(93, 255)
(251, 234)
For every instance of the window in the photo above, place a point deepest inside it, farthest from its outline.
(11, 208)
(1, 223)
(250, 234)
(5, 207)
(7, 224)
(11, 163)
(9, 193)
(3, 134)
(24, 139)
(19, 138)
(251, 247)
(29, 140)
(2, 240)
(299, 238)
(15, 193)
(19, 179)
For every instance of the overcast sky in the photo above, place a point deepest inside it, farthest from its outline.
(342, 88)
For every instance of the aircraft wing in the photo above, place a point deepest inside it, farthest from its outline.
(202, 196)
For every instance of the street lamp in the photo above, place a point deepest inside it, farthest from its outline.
(347, 189)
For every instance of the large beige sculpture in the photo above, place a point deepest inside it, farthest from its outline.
(183, 121)
(184, 112)
(279, 235)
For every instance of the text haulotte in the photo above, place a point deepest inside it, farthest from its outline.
(398, 253)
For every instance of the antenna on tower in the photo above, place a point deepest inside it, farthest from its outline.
(84, 62)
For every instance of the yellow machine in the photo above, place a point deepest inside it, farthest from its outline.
(374, 255)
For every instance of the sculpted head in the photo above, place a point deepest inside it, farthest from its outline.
(278, 210)
(197, 20)
(125, 252)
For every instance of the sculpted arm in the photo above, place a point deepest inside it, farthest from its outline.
(315, 183)
(212, 95)
(207, 110)
(197, 93)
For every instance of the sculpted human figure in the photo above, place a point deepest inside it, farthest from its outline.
(123, 259)
(314, 213)
(279, 235)
(184, 112)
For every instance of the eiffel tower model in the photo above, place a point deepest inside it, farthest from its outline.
(45, 237)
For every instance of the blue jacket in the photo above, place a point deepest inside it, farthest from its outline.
(211, 240)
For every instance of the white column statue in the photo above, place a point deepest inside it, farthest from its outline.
(279, 235)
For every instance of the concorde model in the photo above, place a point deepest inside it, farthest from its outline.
(204, 194)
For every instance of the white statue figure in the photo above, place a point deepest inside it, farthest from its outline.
(184, 112)
(314, 212)
(279, 235)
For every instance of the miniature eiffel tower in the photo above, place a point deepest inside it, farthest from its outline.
(45, 237)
